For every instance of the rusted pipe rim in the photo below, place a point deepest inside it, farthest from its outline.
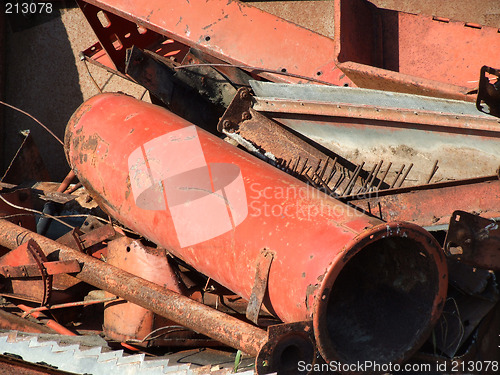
(380, 301)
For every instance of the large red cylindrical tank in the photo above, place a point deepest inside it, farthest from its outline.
(374, 290)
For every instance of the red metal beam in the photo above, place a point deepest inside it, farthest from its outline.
(372, 48)
(435, 205)
(234, 32)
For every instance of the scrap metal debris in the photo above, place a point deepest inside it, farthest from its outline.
(292, 202)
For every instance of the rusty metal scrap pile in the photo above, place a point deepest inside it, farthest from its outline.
(299, 196)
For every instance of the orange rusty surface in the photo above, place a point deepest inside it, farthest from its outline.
(413, 53)
(94, 149)
(36, 289)
(371, 77)
(451, 52)
(401, 117)
(124, 320)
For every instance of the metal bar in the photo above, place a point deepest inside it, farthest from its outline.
(67, 180)
(406, 118)
(69, 304)
(397, 176)
(189, 313)
(370, 184)
(10, 321)
(365, 184)
(434, 170)
(14, 365)
(325, 185)
(73, 188)
(434, 186)
(384, 176)
(406, 175)
(334, 170)
(34, 270)
(259, 288)
(353, 179)
(49, 322)
(324, 168)
(371, 77)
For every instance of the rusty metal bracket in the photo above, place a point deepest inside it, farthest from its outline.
(33, 283)
(260, 284)
(78, 240)
(238, 111)
(287, 345)
(474, 240)
(489, 93)
(34, 270)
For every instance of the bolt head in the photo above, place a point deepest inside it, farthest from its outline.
(244, 94)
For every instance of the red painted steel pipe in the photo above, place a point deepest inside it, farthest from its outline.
(373, 290)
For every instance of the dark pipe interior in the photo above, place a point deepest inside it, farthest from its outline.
(381, 301)
(289, 352)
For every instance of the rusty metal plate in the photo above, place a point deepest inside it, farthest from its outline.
(489, 91)
(229, 30)
(432, 205)
(30, 285)
(474, 240)
(260, 284)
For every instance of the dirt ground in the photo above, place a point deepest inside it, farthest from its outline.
(46, 78)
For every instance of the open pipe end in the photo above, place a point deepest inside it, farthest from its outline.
(288, 346)
(380, 302)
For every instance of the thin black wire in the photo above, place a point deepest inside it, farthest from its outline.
(34, 119)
